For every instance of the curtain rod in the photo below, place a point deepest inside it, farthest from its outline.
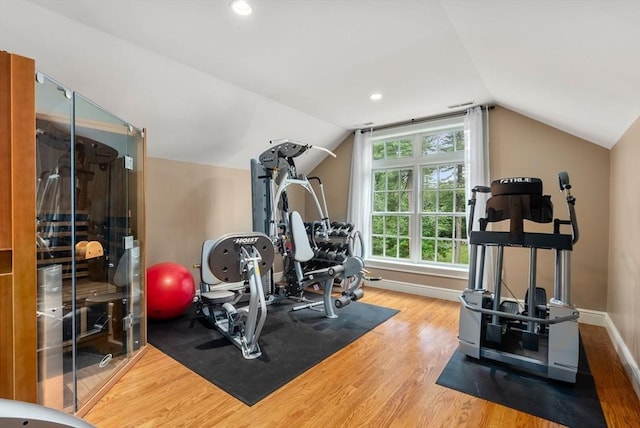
(423, 119)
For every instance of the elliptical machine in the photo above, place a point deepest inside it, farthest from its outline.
(237, 260)
(543, 338)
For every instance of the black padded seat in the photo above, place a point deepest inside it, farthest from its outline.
(218, 296)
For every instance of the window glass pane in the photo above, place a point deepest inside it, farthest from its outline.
(428, 250)
(447, 176)
(428, 226)
(403, 248)
(429, 145)
(379, 202)
(460, 227)
(406, 179)
(405, 201)
(445, 202)
(378, 246)
(403, 225)
(429, 200)
(461, 252)
(391, 225)
(459, 138)
(392, 150)
(393, 202)
(445, 227)
(391, 247)
(378, 151)
(406, 148)
(378, 225)
(444, 251)
(460, 202)
(460, 176)
(429, 178)
(393, 180)
(447, 143)
(379, 180)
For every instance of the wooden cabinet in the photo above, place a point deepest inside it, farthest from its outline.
(18, 365)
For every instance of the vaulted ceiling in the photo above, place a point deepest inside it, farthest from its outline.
(213, 87)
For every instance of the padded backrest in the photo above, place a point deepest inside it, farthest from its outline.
(302, 251)
(206, 276)
(519, 198)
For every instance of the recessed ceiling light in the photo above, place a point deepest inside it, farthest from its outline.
(376, 96)
(241, 7)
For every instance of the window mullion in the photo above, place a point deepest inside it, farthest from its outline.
(416, 232)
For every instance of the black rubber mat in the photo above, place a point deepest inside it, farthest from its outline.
(291, 343)
(573, 405)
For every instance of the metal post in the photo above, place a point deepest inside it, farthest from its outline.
(498, 284)
(533, 263)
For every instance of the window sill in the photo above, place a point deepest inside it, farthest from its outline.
(457, 272)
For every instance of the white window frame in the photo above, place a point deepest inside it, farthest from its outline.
(417, 163)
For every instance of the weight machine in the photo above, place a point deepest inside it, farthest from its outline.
(543, 338)
(304, 263)
(230, 266)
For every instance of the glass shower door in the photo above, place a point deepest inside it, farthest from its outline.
(90, 219)
(107, 285)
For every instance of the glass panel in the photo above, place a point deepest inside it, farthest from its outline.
(403, 225)
(445, 227)
(428, 226)
(378, 151)
(404, 246)
(429, 199)
(445, 201)
(391, 225)
(102, 214)
(393, 180)
(428, 250)
(445, 142)
(444, 251)
(379, 180)
(392, 150)
(461, 252)
(460, 202)
(391, 246)
(393, 202)
(54, 243)
(378, 246)
(379, 202)
(459, 138)
(429, 145)
(448, 142)
(406, 148)
(429, 178)
(378, 225)
(89, 218)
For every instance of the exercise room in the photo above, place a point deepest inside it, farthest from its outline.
(314, 213)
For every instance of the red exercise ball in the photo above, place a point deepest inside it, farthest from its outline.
(170, 290)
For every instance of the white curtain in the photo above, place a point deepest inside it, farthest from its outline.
(359, 206)
(477, 167)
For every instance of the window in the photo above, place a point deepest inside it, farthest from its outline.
(418, 211)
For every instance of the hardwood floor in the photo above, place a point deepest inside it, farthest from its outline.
(384, 379)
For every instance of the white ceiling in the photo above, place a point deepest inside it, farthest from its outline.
(213, 87)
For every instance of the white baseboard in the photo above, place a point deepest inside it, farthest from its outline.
(629, 363)
(420, 290)
(587, 316)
